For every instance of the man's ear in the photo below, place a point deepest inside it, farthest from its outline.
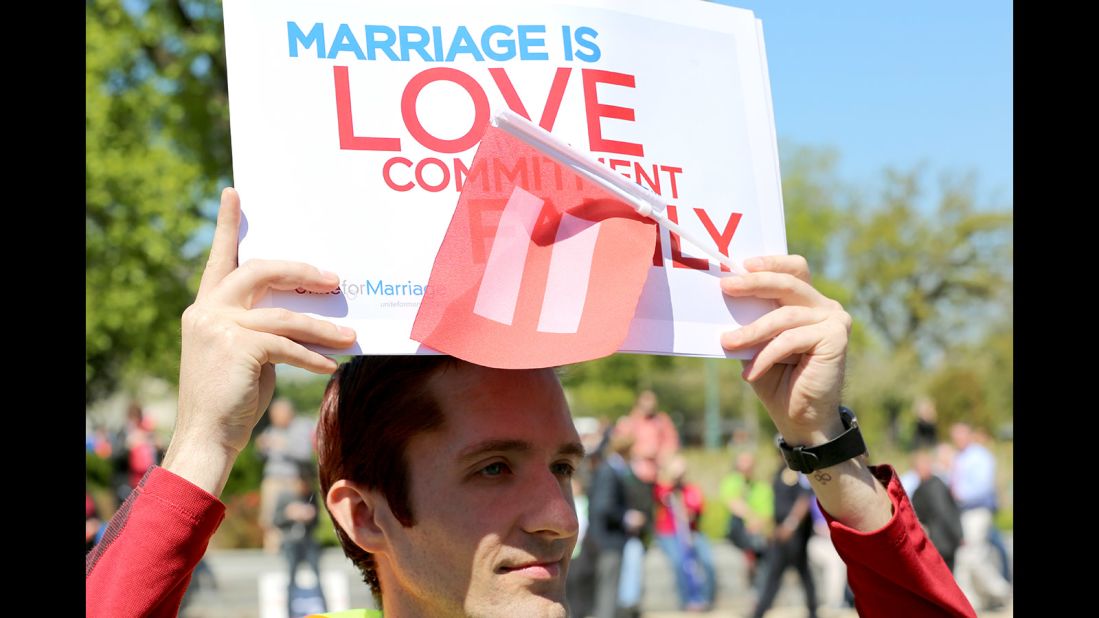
(362, 513)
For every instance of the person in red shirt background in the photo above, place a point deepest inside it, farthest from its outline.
(678, 508)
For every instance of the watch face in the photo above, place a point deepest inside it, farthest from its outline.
(789, 477)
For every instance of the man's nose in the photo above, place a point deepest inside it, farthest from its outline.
(551, 511)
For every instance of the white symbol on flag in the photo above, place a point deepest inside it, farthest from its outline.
(569, 271)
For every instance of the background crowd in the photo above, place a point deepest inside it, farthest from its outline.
(635, 494)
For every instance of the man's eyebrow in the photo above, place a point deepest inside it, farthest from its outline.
(574, 449)
(493, 446)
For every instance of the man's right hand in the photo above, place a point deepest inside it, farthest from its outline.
(227, 368)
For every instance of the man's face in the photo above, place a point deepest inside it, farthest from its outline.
(646, 402)
(281, 414)
(923, 465)
(961, 435)
(491, 497)
(746, 464)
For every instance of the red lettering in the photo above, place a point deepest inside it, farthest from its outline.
(420, 174)
(412, 120)
(723, 239)
(348, 139)
(672, 171)
(472, 174)
(678, 259)
(553, 100)
(389, 180)
(617, 163)
(639, 173)
(596, 110)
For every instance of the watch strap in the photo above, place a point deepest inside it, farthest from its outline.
(847, 445)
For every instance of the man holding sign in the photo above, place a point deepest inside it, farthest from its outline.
(471, 513)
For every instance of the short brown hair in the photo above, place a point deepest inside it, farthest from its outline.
(372, 407)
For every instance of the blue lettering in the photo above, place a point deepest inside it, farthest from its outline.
(525, 43)
(593, 54)
(391, 289)
(385, 44)
(506, 45)
(437, 40)
(407, 44)
(463, 44)
(345, 41)
(294, 35)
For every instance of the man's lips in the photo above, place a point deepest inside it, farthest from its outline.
(534, 570)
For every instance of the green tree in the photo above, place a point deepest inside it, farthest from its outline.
(976, 385)
(926, 281)
(157, 146)
(933, 288)
(812, 196)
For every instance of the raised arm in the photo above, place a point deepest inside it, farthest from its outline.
(227, 377)
(798, 375)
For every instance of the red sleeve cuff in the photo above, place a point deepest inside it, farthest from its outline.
(175, 492)
(895, 570)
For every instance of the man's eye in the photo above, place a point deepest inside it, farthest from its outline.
(564, 469)
(494, 469)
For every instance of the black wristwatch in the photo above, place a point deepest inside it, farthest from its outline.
(847, 445)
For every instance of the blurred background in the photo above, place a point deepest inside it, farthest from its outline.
(896, 144)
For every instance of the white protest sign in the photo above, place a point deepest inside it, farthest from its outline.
(354, 125)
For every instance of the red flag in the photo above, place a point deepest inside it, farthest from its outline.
(538, 268)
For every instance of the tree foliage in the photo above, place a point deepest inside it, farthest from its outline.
(929, 281)
(933, 286)
(157, 143)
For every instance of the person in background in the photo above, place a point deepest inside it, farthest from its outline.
(92, 522)
(973, 483)
(655, 440)
(639, 497)
(678, 508)
(823, 556)
(286, 444)
(994, 536)
(580, 589)
(296, 518)
(134, 452)
(936, 508)
(614, 520)
(654, 436)
(925, 432)
(790, 540)
(751, 504)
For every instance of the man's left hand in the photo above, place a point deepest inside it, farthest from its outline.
(803, 397)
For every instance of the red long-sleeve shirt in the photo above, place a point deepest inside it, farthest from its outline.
(896, 571)
(144, 562)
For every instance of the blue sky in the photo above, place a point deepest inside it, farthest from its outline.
(895, 84)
